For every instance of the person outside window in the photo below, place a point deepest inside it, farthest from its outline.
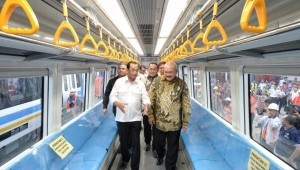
(288, 143)
(271, 124)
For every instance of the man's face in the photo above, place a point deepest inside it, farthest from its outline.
(161, 69)
(122, 70)
(142, 71)
(133, 71)
(152, 70)
(170, 72)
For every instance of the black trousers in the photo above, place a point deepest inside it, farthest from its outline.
(127, 131)
(148, 132)
(147, 129)
(172, 138)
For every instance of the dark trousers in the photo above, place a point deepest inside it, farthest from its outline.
(147, 132)
(282, 103)
(172, 138)
(147, 129)
(127, 131)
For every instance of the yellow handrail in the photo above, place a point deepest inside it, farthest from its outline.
(86, 38)
(260, 8)
(111, 52)
(65, 25)
(115, 57)
(8, 8)
(182, 50)
(188, 43)
(199, 37)
(101, 43)
(214, 24)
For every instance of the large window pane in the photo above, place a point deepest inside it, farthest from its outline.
(185, 74)
(99, 88)
(220, 94)
(73, 99)
(20, 115)
(113, 72)
(197, 85)
(274, 114)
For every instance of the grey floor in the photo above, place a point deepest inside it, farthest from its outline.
(148, 162)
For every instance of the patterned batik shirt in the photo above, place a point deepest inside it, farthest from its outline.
(170, 104)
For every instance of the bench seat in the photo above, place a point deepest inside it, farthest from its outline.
(211, 144)
(92, 135)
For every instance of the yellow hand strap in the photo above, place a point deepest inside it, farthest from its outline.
(102, 44)
(261, 12)
(214, 24)
(86, 38)
(8, 8)
(65, 25)
(200, 37)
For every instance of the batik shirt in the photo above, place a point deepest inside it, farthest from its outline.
(170, 104)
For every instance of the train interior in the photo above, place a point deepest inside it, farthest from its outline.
(237, 57)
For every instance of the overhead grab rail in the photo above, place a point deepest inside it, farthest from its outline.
(261, 12)
(86, 38)
(200, 37)
(8, 8)
(188, 45)
(182, 50)
(116, 52)
(102, 44)
(215, 24)
(111, 52)
(65, 25)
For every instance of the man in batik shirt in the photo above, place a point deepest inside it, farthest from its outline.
(170, 111)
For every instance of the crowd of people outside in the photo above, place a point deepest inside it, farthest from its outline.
(274, 115)
(221, 95)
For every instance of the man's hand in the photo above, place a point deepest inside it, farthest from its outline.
(121, 106)
(151, 121)
(105, 111)
(184, 128)
(145, 112)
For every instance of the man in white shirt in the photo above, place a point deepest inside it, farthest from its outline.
(128, 95)
(271, 125)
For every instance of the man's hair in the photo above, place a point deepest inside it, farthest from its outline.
(161, 63)
(172, 63)
(153, 64)
(121, 64)
(131, 62)
(142, 66)
(289, 119)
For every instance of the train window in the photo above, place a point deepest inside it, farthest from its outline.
(113, 72)
(197, 85)
(65, 81)
(99, 87)
(220, 94)
(274, 106)
(73, 102)
(20, 115)
(185, 74)
(78, 80)
(73, 81)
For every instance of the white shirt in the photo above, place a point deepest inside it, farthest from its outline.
(273, 126)
(132, 93)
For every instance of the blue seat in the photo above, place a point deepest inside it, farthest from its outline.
(91, 135)
(211, 144)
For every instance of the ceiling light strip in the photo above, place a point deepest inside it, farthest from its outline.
(120, 21)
